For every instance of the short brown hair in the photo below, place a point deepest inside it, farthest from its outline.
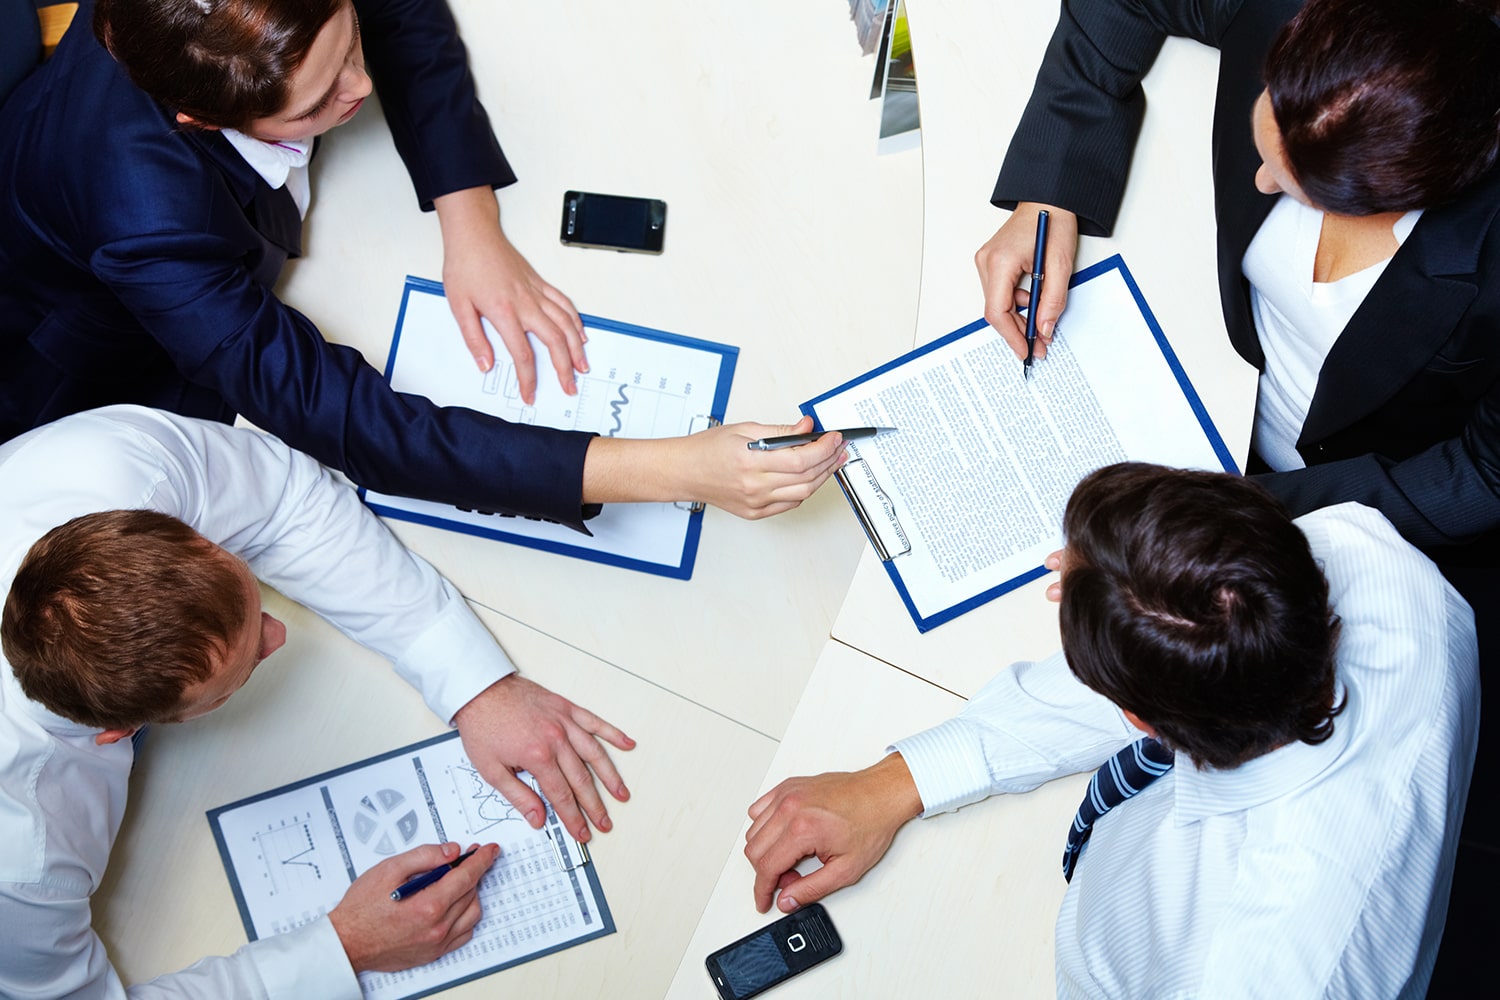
(224, 63)
(1191, 600)
(113, 615)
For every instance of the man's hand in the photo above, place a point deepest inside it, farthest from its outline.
(516, 724)
(846, 821)
(1008, 257)
(714, 466)
(380, 934)
(484, 276)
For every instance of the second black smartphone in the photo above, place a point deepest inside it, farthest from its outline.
(613, 222)
(774, 954)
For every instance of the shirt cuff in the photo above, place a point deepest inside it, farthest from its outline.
(453, 660)
(306, 962)
(947, 763)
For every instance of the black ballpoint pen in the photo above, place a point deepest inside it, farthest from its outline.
(1038, 260)
(422, 881)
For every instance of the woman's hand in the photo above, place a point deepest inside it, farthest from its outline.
(485, 277)
(1008, 257)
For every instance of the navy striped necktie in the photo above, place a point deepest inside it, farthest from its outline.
(1122, 776)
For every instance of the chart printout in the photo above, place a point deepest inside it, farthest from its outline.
(292, 853)
(974, 481)
(640, 384)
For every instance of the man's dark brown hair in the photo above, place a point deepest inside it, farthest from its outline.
(1191, 600)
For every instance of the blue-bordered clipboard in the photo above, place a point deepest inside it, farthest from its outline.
(305, 832)
(888, 518)
(642, 383)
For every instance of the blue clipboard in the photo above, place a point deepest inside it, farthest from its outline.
(881, 523)
(704, 408)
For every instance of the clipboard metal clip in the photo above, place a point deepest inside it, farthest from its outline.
(701, 422)
(873, 507)
(564, 856)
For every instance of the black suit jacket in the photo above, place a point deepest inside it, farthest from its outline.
(1406, 415)
(137, 262)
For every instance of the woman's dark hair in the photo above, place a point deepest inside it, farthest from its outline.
(1387, 105)
(224, 63)
(1191, 600)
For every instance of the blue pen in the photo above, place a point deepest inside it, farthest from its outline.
(416, 885)
(1038, 260)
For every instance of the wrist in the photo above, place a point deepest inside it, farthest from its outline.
(895, 787)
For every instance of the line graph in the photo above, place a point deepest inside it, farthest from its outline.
(483, 806)
(290, 855)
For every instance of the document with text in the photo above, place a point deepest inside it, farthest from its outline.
(641, 383)
(292, 853)
(964, 500)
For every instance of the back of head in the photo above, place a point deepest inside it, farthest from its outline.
(1387, 105)
(112, 615)
(1191, 600)
(224, 63)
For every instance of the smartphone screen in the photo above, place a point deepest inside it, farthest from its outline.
(613, 222)
(774, 954)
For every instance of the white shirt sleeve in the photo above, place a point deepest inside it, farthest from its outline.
(58, 954)
(1033, 722)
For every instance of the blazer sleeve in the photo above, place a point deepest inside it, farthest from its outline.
(429, 99)
(225, 331)
(1074, 143)
(1443, 496)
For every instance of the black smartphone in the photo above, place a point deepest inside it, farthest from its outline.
(613, 222)
(774, 954)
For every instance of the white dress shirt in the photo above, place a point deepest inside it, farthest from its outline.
(1298, 320)
(1311, 871)
(279, 164)
(62, 796)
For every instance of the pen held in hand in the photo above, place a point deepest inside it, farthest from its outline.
(793, 440)
(1038, 267)
(415, 885)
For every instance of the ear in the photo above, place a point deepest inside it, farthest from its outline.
(109, 736)
(1135, 720)
(191, 122)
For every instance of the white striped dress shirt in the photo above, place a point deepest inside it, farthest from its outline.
(1313, 871)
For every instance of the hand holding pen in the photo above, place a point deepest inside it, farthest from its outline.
(380, 934)
(1005, 260)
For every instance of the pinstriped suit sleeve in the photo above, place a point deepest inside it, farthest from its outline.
(1074, 143)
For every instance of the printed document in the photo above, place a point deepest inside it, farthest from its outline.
(292, 853)
(967, 495)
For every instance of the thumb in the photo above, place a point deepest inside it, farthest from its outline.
(519, 794)
(806, 889)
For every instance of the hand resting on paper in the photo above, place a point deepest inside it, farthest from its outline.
(516, 724)
(380, 934)
(846, 820)
(1007, 257)
(484, 276)
(1054, 562)
(714, 466)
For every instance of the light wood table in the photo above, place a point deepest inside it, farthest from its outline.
(962, 905)
(787, 236)
(323, 702)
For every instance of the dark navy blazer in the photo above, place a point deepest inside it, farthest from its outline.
(137, 261)
(1406, 414)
